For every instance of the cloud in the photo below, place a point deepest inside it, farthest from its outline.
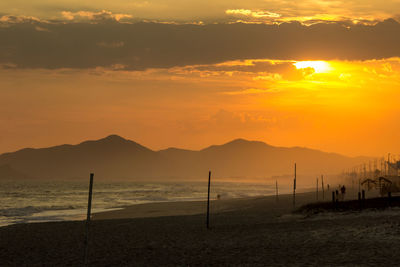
(140, 46)
(249, 65)
(250, 91)
(113, 44)
(10, 19)
(268, 77)
(251, 13)
(213, 11)
(245, 121)
(94, 16)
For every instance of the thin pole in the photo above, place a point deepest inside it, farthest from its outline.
(294, 187)
(208, 200)
(323, 189)
(88, 219)
(317, 188)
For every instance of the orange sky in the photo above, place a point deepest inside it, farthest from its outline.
(351, 107)
(79, 70)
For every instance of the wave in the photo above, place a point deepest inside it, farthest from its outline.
(29, 210)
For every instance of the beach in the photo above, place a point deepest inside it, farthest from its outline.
(255, 231)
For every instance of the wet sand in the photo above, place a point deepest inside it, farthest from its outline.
(244, 232)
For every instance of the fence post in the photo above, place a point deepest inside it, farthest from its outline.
(294, 187)
(88, 220)
(323, 188)
(208, 200)
(363, 198)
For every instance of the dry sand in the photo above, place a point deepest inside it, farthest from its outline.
(244, 232)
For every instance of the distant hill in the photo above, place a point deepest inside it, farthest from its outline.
(116, 158)
(9, 173)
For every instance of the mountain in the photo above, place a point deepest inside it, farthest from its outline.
(112, 157)
(7, 172)
(116, 158)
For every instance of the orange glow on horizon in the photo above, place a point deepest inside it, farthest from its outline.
(349, 107)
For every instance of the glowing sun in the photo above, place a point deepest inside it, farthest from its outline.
(318, 66)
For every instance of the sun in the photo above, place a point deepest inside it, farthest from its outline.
(318, 66)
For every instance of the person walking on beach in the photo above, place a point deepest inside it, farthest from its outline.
(343, 191)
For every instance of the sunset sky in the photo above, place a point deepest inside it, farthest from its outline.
(314, 73)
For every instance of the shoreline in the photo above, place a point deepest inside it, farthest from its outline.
(184, 208)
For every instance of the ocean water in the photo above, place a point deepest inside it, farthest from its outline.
(40, 201)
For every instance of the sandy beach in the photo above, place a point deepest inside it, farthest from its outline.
(244, 232)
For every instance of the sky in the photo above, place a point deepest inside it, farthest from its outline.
(170, 73)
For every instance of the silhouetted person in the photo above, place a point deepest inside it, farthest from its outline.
(343, 191)
(337, 195)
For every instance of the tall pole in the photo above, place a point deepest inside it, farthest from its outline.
(89, 209)
(386, 172)
(323, 189)
(369, 170)
(317, 188)
(294, 187)
(208, 200)
(365, 171)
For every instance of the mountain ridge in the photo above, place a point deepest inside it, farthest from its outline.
(117, 158)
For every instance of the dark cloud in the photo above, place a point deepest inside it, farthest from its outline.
(140, 46)
(252, 66)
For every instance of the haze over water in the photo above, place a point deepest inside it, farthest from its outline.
(39, 201)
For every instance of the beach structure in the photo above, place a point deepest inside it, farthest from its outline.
(383, 176)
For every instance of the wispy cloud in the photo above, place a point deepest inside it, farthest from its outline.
(11, 19)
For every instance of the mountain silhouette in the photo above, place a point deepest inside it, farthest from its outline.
(116, 158)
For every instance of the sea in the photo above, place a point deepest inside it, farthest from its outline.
(46, 201)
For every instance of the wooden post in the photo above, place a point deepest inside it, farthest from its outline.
(333, 197)
(294, 187)
(323, 189)
(88, 219)
(208, 200)
(317, 188)
(277, 194)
